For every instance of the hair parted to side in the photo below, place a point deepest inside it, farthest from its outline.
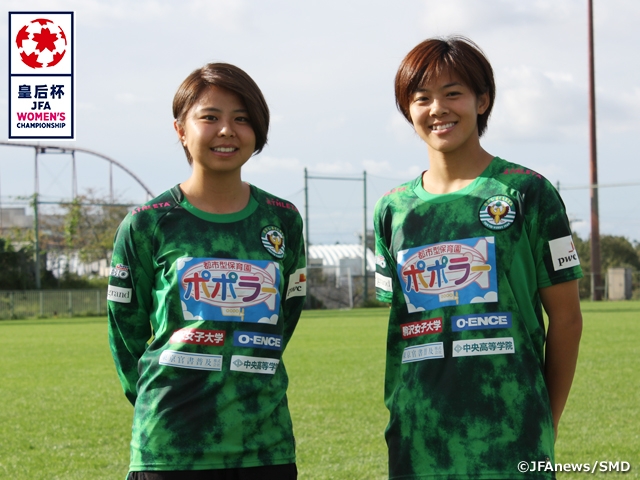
(436, 56)
(232, 78)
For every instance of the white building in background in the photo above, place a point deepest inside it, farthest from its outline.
(338, 258)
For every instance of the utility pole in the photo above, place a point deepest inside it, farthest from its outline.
(596, 275)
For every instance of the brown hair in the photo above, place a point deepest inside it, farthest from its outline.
(230, 77)
(436, 56)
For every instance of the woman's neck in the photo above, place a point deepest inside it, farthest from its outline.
(450, 172)
(216, 194)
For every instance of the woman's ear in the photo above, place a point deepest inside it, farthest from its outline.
(483, 103)
(180, 131)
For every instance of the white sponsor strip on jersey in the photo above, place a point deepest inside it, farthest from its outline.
(241, 363)
(194, 361)
(119, 294)
(427, 351)
(563, 253)
(383, 283)
(297, 284)
(484, 346)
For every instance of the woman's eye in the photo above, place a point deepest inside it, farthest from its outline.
(210, 118)
(242, 119)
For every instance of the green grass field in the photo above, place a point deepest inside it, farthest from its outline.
(63, 415)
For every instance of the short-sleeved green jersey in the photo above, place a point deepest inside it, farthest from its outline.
(201, 308)
(465, 350)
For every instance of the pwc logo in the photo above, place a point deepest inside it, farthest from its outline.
(563, 253)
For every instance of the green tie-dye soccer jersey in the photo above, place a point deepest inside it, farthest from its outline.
(201, 307)
(465, 354)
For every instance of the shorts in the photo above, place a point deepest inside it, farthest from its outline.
(267, 472)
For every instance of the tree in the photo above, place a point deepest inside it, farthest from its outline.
(615, 251)
(86, 226)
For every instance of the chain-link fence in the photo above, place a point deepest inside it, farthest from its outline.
(52, 303)
(335, 287)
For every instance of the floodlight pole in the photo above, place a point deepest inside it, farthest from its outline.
(306, 213)
(364, 230)
(596, 278)
(36, 223)
(364, 236)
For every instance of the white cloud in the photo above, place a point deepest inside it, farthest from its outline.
(410, 307)
(401, 130)
(536, 105)
(129, 98)
(267, 164)
(273, 320)
(489, 297)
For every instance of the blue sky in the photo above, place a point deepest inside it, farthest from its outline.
(326, 69)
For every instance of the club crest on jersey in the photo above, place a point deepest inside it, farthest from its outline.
(498, 212)
(273, 240)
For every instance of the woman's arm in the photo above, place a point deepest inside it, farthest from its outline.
(128, 306)
(562, 304)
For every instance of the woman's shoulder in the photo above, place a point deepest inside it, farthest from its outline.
(275, 203)
(506, 167)
(516, 175)
(149, 212)
(398, 194)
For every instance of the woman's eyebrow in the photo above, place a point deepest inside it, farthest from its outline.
(214, 109)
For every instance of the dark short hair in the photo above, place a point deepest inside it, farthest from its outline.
(230, 77)
(436, 56)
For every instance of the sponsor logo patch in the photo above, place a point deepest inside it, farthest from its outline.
(273, 240)
(485, 346)
(423, 352)
(383, 283)
(229, 290)
(193, 361)
(481, 321)
(457, 272)
(381, 261)
(257, 340)
(241, 363)
(498, 212)
(297, 284)
(120, 271)
(198, 337)
(119, 294)
(424, 327)
(563, 253)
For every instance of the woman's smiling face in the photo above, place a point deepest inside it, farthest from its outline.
(217, 132)
(444, 113)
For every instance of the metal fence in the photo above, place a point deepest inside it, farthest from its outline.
(52, 303)
(333, 287)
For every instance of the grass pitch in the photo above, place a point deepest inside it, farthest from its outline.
(63, 414)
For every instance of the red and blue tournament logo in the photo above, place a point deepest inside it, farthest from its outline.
(41, 75)
(41, 43)
(229, 290)
(458, 272)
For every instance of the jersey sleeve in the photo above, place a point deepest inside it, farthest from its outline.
(551, 237)
(295, 280)
(129, 303)
(385, 263)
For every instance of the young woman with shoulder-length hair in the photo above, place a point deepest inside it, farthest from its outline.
(206, 289)
(468, 255)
